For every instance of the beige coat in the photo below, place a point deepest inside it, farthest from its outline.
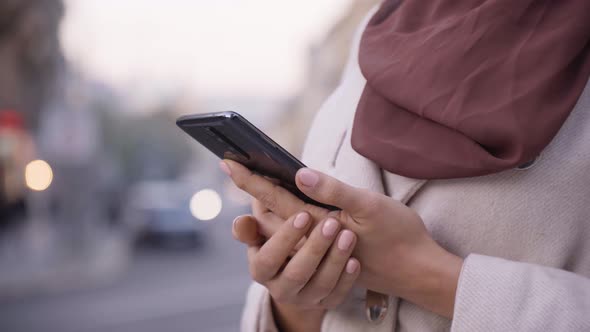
(525, 234)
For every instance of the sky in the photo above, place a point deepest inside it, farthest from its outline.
(245, 48)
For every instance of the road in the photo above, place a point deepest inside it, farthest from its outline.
(171, 290)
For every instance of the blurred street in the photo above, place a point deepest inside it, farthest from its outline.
(111, 218)
(176, 289)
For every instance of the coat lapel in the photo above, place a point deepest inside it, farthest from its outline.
(356, 170)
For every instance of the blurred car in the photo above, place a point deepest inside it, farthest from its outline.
(159, 212)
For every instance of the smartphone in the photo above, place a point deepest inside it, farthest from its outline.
(230, 136)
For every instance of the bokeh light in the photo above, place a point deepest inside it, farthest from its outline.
(38, 175)
(206, 204)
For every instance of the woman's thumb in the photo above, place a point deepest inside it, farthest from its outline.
(328, 190)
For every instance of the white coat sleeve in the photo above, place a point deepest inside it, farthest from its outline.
(500, 295)
(257, 315)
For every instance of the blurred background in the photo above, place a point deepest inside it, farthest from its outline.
(111, 218)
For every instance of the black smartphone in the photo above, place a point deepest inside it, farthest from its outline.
(230, 136)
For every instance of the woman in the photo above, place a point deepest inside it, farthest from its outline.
(457, 148)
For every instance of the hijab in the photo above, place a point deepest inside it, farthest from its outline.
(468, 88)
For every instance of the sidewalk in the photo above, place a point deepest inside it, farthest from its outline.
(36, 259)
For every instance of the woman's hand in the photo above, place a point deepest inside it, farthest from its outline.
(397, 253)
(317, 277)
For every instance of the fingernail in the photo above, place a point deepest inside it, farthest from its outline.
(330, 227)
(345, 240)
(308, 177)
(352, 266)
(301, 220)
(224, 168)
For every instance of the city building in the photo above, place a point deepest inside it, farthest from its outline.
(326, 62)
